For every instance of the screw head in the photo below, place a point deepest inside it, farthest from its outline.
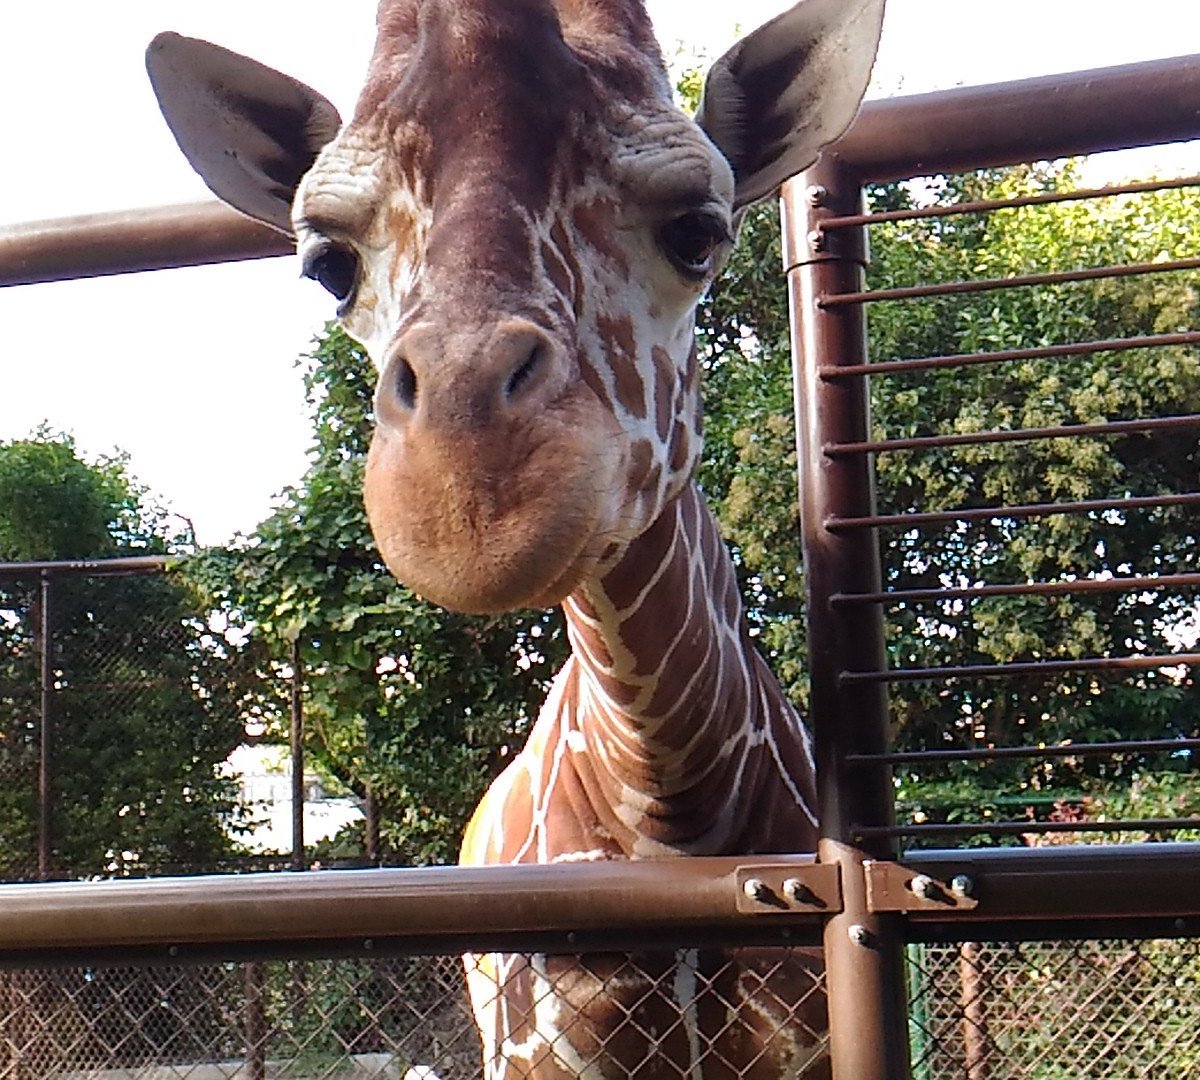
(859, 934)
(817, 240)
(962, 886)
(796, 891)
(756, 889)
(816, 194)
(923, 886)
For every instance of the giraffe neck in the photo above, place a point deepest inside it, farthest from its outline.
(689, 745)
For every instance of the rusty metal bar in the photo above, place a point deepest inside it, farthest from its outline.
(1009, 753)
(1023, 667)
(296, 747)
(1033, 588)
(159, 238)
(1102, 881)
(45, 793)
(313, 906)
(129, 565)
(984, 438)
(984, 206)
(863, 950)
(1083, 112)
(1016, 281)
(988, 513)
(1019, 828)
(1000, 356)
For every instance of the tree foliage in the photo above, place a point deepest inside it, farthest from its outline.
(141, 709)
(409, 704)
(752, 456)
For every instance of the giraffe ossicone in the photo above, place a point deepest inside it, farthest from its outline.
(517, 223)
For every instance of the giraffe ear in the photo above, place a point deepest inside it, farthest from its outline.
(782, 93)
(250, 132)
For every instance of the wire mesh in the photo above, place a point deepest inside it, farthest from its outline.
(1068, 1010)
(406, 1017)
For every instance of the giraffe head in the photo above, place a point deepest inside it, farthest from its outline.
(518, 223)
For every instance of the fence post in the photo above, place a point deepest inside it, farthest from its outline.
(45, 731)
(868, 1021)
(256, 1022)
(296, 694)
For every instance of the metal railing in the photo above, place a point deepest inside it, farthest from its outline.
(864, 899)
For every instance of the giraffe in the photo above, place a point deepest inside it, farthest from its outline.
(517, 223)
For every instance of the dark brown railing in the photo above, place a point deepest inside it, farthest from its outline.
(864, 896)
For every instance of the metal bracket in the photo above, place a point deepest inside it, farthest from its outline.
(783, 888)
(892, 887)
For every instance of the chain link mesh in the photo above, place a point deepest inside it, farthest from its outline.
(1071, 1010)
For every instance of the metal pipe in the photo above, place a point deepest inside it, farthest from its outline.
(45, 728)
(1000, 356)
(129, 565)
(1015, 281)
(1033, 588)
(868, 1026)
(296, 739)
(988, 513)
(364, 904)
(1023, 667)
(987, 206)
(1009, 753)
(158, 238)
(978, 127)
(987, 438)
(1020, 828)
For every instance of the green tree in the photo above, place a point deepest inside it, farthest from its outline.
(751, 461)
(406, 703)
(143, 710)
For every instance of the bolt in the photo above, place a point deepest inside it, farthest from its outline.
(757, 889)
(923, 886)
(369, 944)
(173, 950)
(817, 195)
(817, 240)
(860, 935)
(962, 886)
(797, 892)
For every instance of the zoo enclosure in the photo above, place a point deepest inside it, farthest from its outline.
(864, 898)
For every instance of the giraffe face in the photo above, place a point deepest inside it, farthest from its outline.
(518, 230)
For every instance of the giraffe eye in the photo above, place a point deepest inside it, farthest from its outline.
(691, 241)
(335, 267)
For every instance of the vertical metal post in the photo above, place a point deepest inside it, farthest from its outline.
(868, 1022)
(296, 688)
(255, 1067)
(976, 1044)
(45, 731)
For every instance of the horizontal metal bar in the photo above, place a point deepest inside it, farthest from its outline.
(1016, 281)
(980, 438)
(1000, 356)
(1083, 112)
(1033, 588)
(1019, 828)
(988, 513)
(1101, 881)
(135, 564)
(985, 206)
(1037, 753)
(157, 238)
(1022, 668)
(298, 907)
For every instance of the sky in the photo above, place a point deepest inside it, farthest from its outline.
(192, 372)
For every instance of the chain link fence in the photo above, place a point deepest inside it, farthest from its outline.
(129, 668)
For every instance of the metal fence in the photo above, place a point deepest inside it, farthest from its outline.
(985, 963)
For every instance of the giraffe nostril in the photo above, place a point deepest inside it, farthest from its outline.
(406, 383)
(525, 374)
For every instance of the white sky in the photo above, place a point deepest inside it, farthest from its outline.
(191, 371)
